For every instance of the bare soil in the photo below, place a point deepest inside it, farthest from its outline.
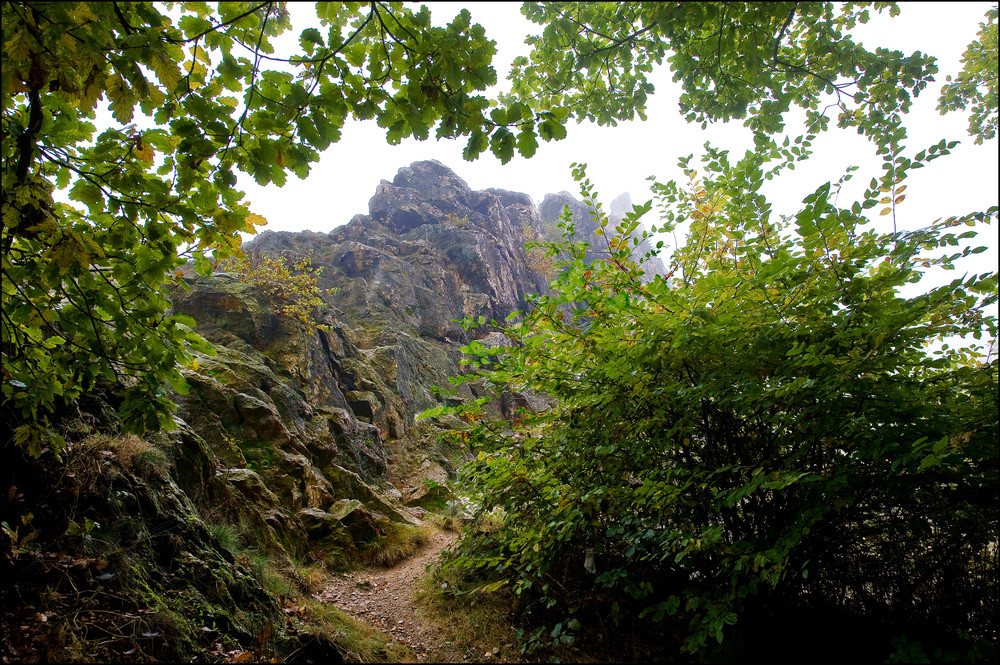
(383, 597)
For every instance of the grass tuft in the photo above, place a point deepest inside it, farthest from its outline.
(358, 641)
(227, 535)
(131, 451)
(400, 543)
(311, 577)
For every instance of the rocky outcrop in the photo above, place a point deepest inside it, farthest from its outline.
(145, 551)
(319, 425)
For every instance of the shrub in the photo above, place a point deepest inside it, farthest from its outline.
(538, 259)
(763, 437)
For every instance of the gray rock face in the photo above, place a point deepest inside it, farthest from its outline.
(318, 418)
(430, 253)
(622, 205)
(554, 205)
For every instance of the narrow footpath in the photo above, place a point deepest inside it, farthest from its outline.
(383, 597)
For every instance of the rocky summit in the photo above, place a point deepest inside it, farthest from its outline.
(320, 425)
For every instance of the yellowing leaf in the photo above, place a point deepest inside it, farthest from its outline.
(145, 151)
(68, 252)
(92, 92)
(156, 96)
(122, 102)
(17, 47)
(81, 13)
(67, 42)
(196, 69)
(15, 85)
(885, 211)
(256, 220)
(165, 68)
(93, 247)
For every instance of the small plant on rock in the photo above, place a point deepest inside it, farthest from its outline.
(292, 288)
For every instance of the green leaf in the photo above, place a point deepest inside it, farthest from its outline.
(527, 142)
(502, 144)
(475, 146)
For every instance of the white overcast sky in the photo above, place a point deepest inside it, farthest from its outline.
(620, 158)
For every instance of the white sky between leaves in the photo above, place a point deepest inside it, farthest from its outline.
(620, 158)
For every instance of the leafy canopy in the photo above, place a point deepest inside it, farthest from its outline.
(738, 61)
(977, 83)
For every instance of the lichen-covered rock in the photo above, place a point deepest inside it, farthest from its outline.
(146, 552)
(429, 487)
(326, 529)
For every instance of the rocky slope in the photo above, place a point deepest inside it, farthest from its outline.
(294, 444)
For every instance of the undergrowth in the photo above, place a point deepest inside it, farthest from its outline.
(471, 619)
(104, 559)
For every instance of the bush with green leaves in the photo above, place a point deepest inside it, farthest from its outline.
(767, 430)
(292, 288)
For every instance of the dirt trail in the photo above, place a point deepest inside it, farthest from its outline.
(383, 597)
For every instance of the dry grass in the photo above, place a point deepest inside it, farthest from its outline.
(129, 449)
(358, 642)
(399, 544)
(312, 577)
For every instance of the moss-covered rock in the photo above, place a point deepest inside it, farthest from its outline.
(127, 567)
